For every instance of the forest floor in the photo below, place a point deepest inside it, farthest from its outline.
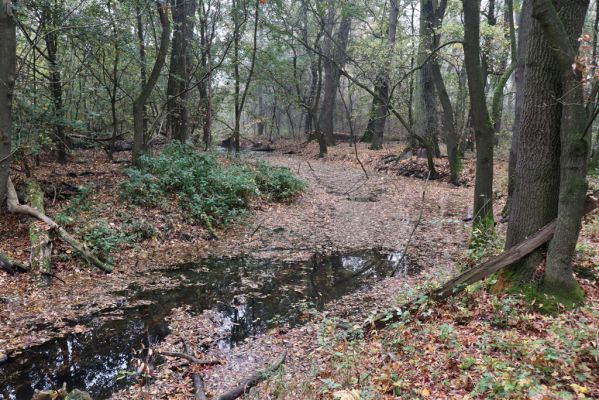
(478, 342)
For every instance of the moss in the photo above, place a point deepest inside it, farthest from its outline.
(579, 147)
(550, 303)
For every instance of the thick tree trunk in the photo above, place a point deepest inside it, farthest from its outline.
(562, 32)
(180, 68)
(534, 200)
(483, 130)
(425, 110)
(139, 134)
(333, 63)
(8, 58)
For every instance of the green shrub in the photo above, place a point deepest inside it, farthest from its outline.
(102, 239)
(212, 193)
(277, 183)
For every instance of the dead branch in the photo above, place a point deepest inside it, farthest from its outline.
(253, 380)
(15, 207)
(198, 384)
(189, 358)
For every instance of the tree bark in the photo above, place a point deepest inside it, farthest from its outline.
(536, 176)
(139, 133)
(520, 59)
(559, 280)
(48, 20)
(180, 68)
(39, 235)
(483, 130)
(8, 56)
(449, 125)
(425, 110)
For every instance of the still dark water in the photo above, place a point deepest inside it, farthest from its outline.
(250, 295)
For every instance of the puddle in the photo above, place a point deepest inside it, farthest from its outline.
(249, 294)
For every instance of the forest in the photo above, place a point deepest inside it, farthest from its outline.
(311, 199)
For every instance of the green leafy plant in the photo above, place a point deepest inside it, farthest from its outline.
(277, 183)
(212, 193)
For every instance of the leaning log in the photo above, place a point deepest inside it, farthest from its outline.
(481, 271)
(15, 207)
(253, 380)
(39, 235)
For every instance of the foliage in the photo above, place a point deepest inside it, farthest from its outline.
(277, 183)
(102, 238)
(483, 242)
(211, 192)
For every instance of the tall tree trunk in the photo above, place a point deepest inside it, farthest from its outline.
(239, 95)
(141, 45)
(51, 39)
(483, 130)
(535, 176)
(519, 52)
(333, 63)
(205, 86)
(8, 57)
(425, 110)
(139, 134)
(180, 68)
(449, 126)
(562, 32)
(380, 103)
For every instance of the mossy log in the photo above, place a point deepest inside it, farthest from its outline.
(11, 266)
(15, 207)
(39, 235)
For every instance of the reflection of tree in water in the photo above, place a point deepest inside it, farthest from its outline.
(247, 293)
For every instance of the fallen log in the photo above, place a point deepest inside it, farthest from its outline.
(15, 207)
(199, 393)
(11, 266)
(253, 380)
(481, 271)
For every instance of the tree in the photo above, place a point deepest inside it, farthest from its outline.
(483, 129)
(239, 95)
(8, 57)
(180, 68)
(379, 110)
(335, 50)
(425, 105)
(139, 133)
(562, 32)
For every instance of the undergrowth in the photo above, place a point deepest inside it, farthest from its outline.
(211, 192)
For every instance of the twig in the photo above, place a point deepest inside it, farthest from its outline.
(253, 380)
(188, 357)
(405, 250)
